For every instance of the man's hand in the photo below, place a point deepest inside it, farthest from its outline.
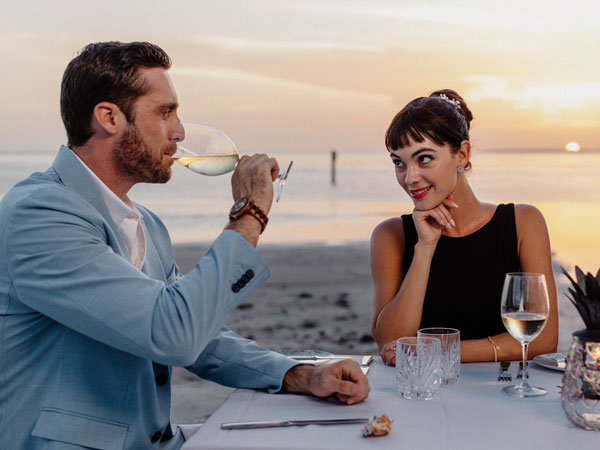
(253, 178)
(343, 379)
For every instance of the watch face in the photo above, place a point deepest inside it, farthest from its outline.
(237, 206)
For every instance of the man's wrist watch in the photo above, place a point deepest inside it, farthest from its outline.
(246, 206)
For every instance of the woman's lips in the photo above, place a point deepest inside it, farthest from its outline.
(420, 193)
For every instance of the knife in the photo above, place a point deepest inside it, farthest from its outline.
(366, 360)
(318, 358)
(365, 363)
(289, 423)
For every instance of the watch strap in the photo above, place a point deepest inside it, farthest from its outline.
(255, 211)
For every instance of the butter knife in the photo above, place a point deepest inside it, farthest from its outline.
(318, 358)
(366, 360)
(365, 363)
(289, 423)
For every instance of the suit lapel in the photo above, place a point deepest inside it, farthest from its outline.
(153, 265)
(76, 177)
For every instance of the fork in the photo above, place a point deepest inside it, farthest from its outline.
(520, 374)
(504, 374)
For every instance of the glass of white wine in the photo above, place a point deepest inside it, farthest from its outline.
(524, 312)
(208, 151)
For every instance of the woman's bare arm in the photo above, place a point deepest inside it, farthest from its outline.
(397, 300)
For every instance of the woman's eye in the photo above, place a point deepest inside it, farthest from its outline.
(398, 163)
(424, 159)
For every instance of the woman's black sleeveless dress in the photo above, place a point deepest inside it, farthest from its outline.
(467, 274)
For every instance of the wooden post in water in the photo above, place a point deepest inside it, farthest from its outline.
(333, 156)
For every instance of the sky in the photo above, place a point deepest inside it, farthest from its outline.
(286, 75)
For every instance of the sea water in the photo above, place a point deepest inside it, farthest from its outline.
(564, 186)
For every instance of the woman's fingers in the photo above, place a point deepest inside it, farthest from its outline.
(388, 353)
(449, 202)
(444, 210)
(441, 215)
(431, 223)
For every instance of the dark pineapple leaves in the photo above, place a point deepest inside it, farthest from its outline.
(586, 297)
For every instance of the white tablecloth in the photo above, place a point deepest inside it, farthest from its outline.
(470, 414)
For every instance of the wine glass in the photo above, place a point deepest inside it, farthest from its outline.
(208, 151)
(524, 312)
(281, 181)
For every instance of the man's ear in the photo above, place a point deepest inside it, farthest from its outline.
(108, 119)
(464, 154)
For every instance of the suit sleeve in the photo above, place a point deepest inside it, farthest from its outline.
(237, 362)
(60, 265)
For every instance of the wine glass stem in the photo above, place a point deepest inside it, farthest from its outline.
(524, 347)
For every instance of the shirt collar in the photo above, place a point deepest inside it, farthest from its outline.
(118, 209)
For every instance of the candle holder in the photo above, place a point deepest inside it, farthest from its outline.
(581, 381)
(580, 392)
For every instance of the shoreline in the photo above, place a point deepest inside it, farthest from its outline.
(318, 297)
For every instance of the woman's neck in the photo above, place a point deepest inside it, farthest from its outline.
(471, 214)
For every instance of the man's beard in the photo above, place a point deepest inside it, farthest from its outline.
(136, 161)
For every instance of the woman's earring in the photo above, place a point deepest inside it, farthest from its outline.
(460, 169)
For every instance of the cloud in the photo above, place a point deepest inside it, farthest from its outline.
(232, 43)
(538, 15)
(246, 77)
(488, 87)
(549, 97)
(15, 42)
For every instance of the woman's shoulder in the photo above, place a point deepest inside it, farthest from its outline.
(522, 212)
(390, 229)
(529, 220)
(390, 226)
(527, 213)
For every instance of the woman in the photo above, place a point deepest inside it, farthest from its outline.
(444, 264)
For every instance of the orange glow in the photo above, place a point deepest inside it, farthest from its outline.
(572, 147)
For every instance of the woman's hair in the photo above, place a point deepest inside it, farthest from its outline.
(442, 117)
(105, 72)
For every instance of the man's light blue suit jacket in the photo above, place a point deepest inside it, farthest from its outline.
(87, 340)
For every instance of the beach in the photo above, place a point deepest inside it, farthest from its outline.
(318, 297)
(319, 294)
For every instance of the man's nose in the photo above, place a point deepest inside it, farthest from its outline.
(179, 134)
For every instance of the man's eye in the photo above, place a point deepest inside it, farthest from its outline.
(166, 113)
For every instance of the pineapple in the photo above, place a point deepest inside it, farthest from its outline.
(580, 391)
(585, 295)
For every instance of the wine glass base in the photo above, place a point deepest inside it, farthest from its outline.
(522, 391)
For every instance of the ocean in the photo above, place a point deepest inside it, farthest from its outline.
(564, 186)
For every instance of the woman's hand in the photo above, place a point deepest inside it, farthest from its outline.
(431, 223)
(388, 353)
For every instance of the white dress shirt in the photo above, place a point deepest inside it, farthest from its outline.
(127, 219)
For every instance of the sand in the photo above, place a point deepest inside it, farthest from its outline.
(318, 297)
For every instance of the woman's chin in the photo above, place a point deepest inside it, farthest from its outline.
(426, 204)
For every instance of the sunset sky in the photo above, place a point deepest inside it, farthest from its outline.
(283, 75)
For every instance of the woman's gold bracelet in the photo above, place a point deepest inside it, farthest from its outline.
(495, 347)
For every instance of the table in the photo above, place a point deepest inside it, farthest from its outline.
(470, 414)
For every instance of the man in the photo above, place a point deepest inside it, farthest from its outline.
(93, 310)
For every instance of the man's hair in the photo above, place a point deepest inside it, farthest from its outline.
(105, 72)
